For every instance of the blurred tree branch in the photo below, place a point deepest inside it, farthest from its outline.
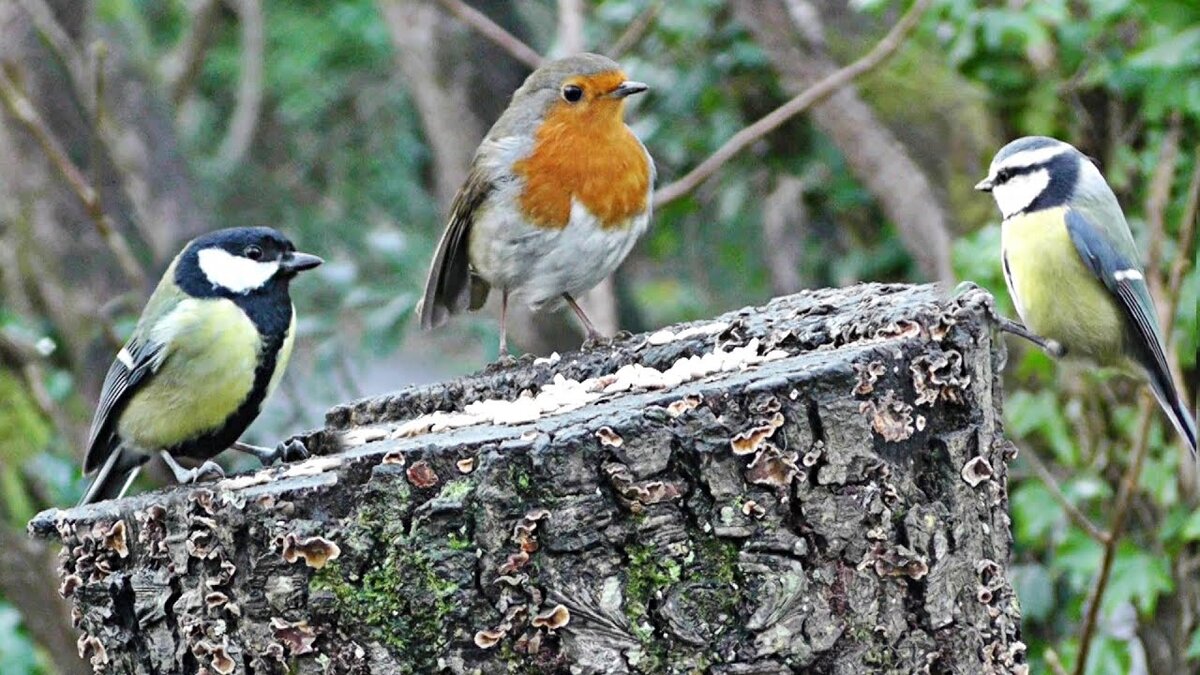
(636, 30)
(180, 67)
(570, 38)
(1147, 407)
(1056, 491)
(20, 107)
(244, 121)
(798, 104)
(440, 91)
(151, 211)
(876, 156)
(1116, 529)
(494, 32)
(1157, 197)
(60, 43)
(27, 582)
(784, 219)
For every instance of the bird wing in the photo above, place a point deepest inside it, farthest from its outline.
(1123, 277)
(450, 286)
(129, 371)
(141, 356)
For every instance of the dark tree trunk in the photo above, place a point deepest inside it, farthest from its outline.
(817, 485)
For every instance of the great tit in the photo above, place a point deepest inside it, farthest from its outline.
(210, 347)
(1071, 265)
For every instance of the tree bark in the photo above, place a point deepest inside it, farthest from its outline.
(818, 484)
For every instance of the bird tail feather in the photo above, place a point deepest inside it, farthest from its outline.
(115, 476)
(1172, 404)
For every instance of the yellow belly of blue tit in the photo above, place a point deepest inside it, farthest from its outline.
(208, 372)
(1055, 294)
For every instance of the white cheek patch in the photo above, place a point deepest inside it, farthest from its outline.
(234, 273)
(1017, 193)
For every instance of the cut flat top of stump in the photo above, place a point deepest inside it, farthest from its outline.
(515, 402)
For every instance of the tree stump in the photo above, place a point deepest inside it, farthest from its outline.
(816, 485)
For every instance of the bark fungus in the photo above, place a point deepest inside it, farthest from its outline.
(816, 485)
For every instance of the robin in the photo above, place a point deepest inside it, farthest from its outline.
(557, 194)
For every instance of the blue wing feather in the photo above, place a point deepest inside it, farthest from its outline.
(1124, 279)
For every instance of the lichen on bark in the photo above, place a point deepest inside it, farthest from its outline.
(816, 485)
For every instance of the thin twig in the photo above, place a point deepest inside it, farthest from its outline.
(244, 121)
(20, 107)
(1158, 195)
(60, 43)
(1187, 236)
(1124, 499)
(1059, 496)
(87, 89)
(98, 58)
(804, 100)
(636, 30)
(1129, 481)
(494, 32)
(1054, 662)
(180, 68)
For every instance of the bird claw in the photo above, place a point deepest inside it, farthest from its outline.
(208, 468)
(1055, 348)
(291, 450)
(595, 340)
(182, 475)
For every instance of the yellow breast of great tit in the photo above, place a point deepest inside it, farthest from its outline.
(212, 353)
(285, 355)
(1055, 294)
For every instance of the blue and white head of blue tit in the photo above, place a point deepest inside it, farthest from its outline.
(210, 347)
(1072, 267)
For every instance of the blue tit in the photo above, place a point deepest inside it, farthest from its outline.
(210, 347)
(1071, 265)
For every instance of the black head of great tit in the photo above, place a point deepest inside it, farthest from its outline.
(209, 348)
(1071, 265)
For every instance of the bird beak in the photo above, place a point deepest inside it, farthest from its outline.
(298, 262)
(628, 88)
(985, 185)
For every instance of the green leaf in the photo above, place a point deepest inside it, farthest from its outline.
(1191, 528)
(1139, 577)
(1078, 557)
(1035, 513)
(1041, 414)
(1035, 589)
(1169, 54)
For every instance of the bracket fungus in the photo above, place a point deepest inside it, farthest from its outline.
(314, 551)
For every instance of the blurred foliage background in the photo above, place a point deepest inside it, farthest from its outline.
(348, 124)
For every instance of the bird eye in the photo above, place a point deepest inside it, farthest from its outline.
(253, 252)
(1003, 175)
(571, 93)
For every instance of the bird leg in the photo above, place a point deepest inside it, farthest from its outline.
(290, 450)
(592, 334)
(1051, 347)
(182, 475)
(504, 322)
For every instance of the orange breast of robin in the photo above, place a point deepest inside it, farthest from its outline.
(585, 152)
